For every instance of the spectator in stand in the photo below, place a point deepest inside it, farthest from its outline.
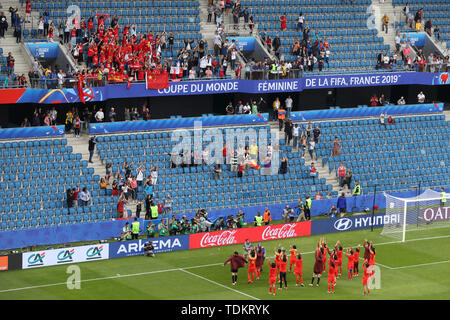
(10, 61)
(283, 21)
(75, 193)
(300, 22)
(318, 196)
(288, 131)
(99, 116)
(295, 135)
(77, 126)
(401, 101)
(341, 174)
(374, 100)
(311, 148)
(121, 206)
(391, 120)
(428, 27)
(316, 134)
(336, 146)
(437, 33)
(112, 115)
(276, 45)
(381, 100)
(385, 23)
(342, 204)
(421, 97)
(313, 172)
(85, 197)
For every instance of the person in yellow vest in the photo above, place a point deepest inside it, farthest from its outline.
(267, 216)
(258, 219)
(444, 198)
(276, 105)
(135, 229)
(357, 189)
(154, 211)
(385, 23)
(281, 117)
(308, 204)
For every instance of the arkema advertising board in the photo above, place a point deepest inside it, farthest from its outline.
(45, 258)
(136, 247)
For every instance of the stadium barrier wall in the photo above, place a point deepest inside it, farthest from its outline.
(52, 235)
(46, 258)
(366, 112)
(32, 132)
(184, 88)
(129, 126)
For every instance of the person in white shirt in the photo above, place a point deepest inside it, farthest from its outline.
(85, 197)
(288, 103)
(139, 175)
(99, 116)
(421, 97)
(295, 135)
(61, 76)
(154, 175)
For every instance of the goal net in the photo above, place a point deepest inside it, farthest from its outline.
(422, 212)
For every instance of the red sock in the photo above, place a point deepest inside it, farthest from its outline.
(297, 280)
(274, 289)
(253, 277)
(329, 287)
(270, 288)
(332, 288)
(258, 272)
(248, 274)
(301, 279)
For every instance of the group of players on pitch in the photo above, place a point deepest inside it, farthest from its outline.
(254, 258)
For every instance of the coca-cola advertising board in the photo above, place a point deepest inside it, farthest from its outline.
(254, 234)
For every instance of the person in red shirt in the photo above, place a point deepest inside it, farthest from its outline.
(237, 261)
(298, 269)
(367, 273)
(356, 261)
(349, 255)
(339, 251)
(293, 252)
(272, 277)
(251, 272)
(283, 270)
(75, 196)
(374, 100)
(277, 259)
(331, 277)
(372, 255)
(325, 249)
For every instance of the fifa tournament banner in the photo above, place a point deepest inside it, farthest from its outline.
(136, 247)
(357, 222)
(253, 234)
(43, 50)
(32, 132)
(178, 88)
(45, 258)
(244, 43)
(414, 38)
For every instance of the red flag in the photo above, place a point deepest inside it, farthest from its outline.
(157, 81)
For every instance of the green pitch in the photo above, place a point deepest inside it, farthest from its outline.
(413, 270)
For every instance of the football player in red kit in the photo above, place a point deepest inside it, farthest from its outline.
(259, 261)
(293, 252)
(367, 273)
(298, 269)
(272, 277)
(251, 272)
(349, 255)
(331, 276)
(372, 255)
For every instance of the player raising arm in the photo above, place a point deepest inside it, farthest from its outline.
(251, 266)
(237, 261)
(367, 273)
(259, 261)
(272, 277)
(318, 266)
(283, 270)
(293, 252)
(349, 255)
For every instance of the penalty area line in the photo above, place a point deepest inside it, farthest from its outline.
(219, 284)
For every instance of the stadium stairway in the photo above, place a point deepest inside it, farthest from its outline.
(379, 9)
(21, 66)
(323, 169)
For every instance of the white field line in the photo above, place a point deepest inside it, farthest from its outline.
(202, 266)
(219, 284)
(420, 265)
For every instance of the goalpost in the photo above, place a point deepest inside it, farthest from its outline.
(423, 212)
